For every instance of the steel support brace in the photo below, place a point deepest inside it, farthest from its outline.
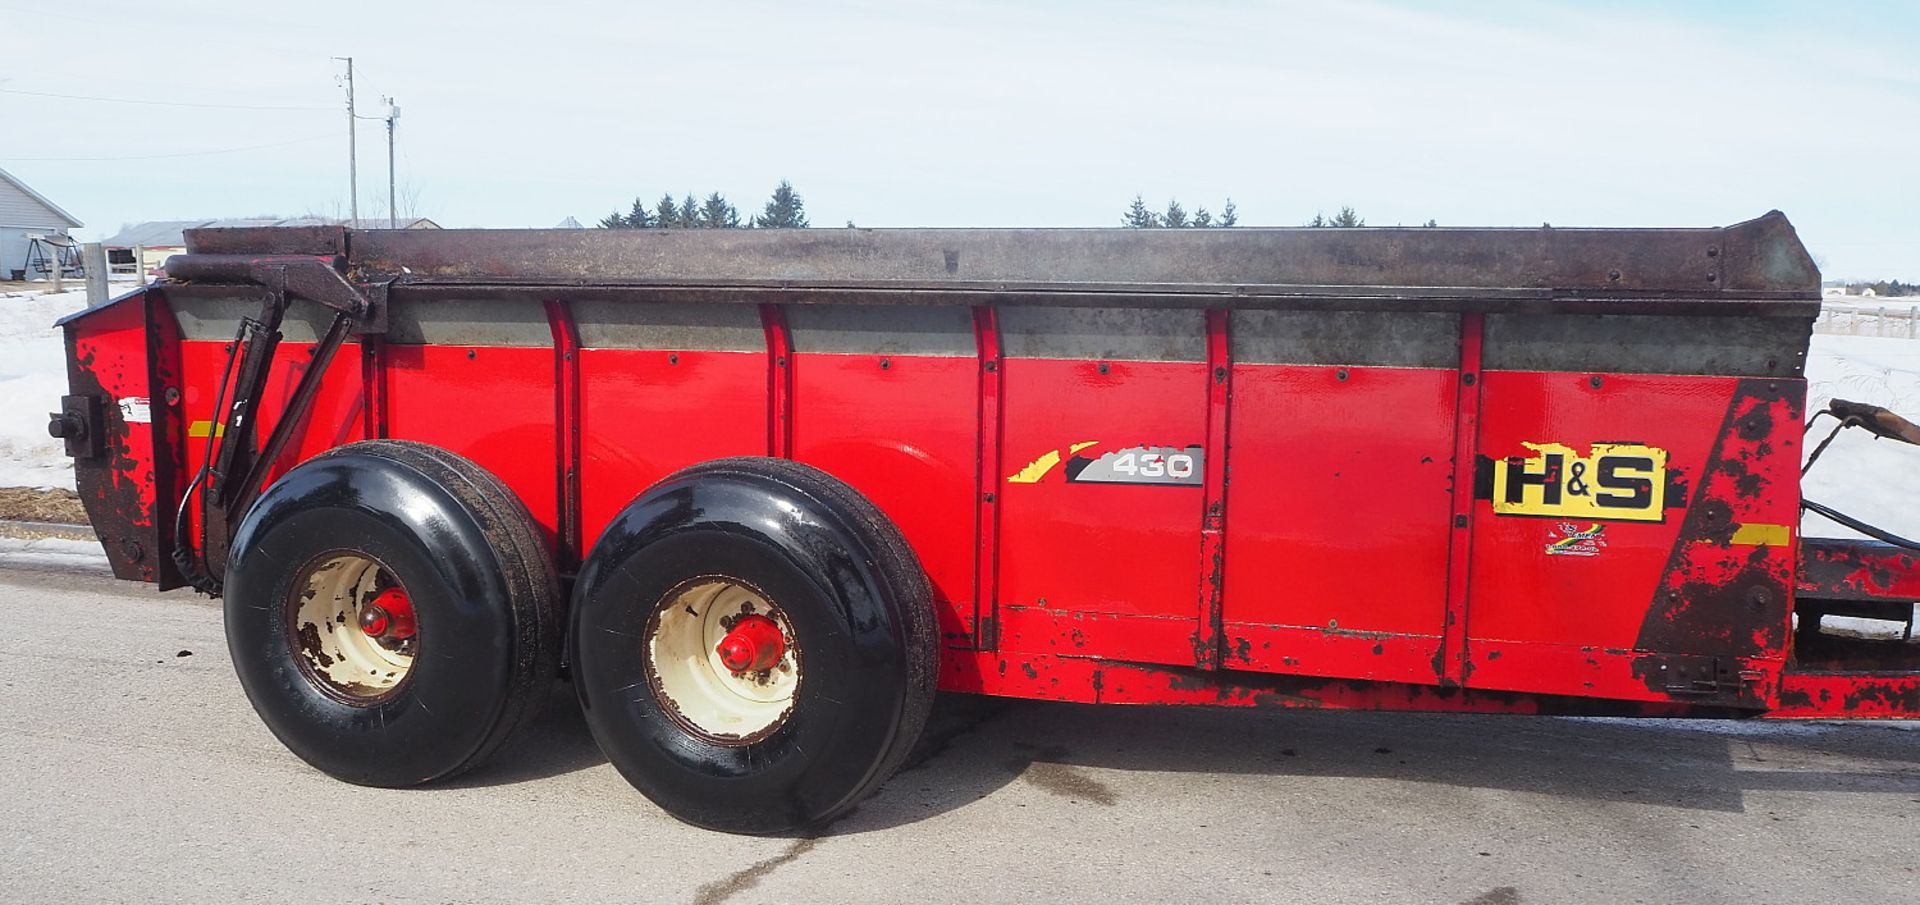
(373, 386)
(987, 469)
(1453, 668)
(779, 382)
(566, 422)
(1213, 518)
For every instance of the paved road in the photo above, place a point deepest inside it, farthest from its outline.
(130, 771)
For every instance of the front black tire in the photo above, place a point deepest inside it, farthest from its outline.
(858, 611)
(470, 565)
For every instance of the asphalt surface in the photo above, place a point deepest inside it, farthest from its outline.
(133, 769)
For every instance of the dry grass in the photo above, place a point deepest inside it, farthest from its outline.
(30, 505)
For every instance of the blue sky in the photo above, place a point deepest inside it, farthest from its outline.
(999, 113)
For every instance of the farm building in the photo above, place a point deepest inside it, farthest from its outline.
(153, 242)
(24, 214)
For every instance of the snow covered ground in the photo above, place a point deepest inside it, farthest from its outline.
(1876, 480)
(33, 377)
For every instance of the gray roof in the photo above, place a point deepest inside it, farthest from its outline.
(156, 234)
(169, 233)
(40, 199)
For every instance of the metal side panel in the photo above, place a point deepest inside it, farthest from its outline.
(216, 318)
(1363, 338)
(1647, 344)
(875, 330)
(1105, 334)
(669, 326)
(475, 322)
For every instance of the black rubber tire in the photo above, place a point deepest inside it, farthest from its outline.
(484, 594)
(862, 616)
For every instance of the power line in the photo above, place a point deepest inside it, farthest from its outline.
(123, 100)
(277, 144)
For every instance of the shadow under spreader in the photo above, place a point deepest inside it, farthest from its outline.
(1685, 764)
(975, 745)
(556, 744)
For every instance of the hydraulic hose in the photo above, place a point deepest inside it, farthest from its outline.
(1849, 521)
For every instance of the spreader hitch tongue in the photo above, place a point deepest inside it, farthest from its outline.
(1876, 420)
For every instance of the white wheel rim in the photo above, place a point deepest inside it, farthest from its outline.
(335, 653)
(694, 685)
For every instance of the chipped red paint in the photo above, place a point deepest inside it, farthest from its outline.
(1721, 596)
(117, 357)
(1857, 695)
(1209, 635)
(1095, 681)
(1836, 569)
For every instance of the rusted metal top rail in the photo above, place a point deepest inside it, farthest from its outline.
(1755, 267)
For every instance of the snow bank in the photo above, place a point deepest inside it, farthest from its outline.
(33, 377)
(1877, 481)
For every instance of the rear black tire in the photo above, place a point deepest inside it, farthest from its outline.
(482, 588)
(861, 613)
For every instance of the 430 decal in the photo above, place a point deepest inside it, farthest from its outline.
(1618, 481)
(1174, 465)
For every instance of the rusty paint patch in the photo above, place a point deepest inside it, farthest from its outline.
(1716, 597)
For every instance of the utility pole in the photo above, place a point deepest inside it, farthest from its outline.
(393, 113)
(353, 158)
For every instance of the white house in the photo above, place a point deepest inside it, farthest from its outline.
(24, 214)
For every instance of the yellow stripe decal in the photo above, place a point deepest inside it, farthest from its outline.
(206, 428)
(1763, 535)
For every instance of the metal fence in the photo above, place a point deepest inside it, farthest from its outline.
(1899, 317)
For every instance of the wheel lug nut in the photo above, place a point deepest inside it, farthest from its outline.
(736, 653)
(755, 643)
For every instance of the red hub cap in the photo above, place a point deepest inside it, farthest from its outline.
(389, 615)
(753, 644)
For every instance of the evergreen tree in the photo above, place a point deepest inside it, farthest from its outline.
(1229, 215)
(639, 217)
(689, 213)
(1345, 218)
(613, 221)
(666, 212)
(1137, 215)
(716, 213)
(1201, 218)
(785, 210)
(1431, 222)
(1176, 216)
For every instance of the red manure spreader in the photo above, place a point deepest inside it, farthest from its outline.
(758, 494)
